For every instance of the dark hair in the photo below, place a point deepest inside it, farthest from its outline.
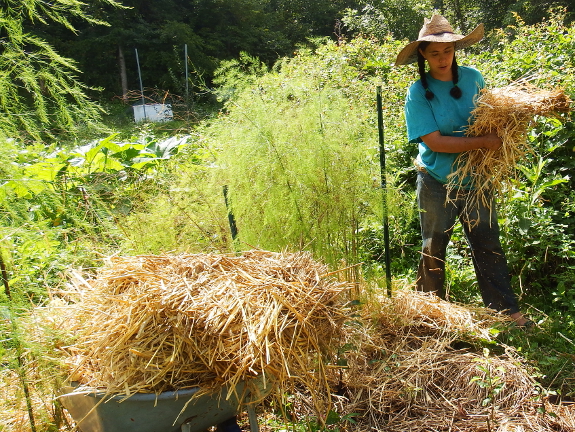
(455, 91)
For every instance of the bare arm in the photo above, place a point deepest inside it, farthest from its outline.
(451, 144)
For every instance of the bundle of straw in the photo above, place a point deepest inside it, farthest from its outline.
(158, 323)
(509, 112)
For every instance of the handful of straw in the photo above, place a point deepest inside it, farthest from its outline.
(159, 323)
(509, 112)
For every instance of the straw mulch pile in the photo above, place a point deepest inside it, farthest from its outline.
(509, 112)
(158, 323)
(152, 323)
(404, 374)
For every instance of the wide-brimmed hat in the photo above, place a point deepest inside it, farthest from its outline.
(437, 29)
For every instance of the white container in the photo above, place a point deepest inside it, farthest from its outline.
(153, 112)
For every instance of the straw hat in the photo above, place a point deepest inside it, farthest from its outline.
(437, 29)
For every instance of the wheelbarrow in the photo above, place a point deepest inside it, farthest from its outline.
(147, 412)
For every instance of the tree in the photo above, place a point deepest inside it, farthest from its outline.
(213, 30)
(404, 18)
(40, 93)
(400, 18)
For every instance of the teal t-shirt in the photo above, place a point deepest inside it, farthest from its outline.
(444, 113)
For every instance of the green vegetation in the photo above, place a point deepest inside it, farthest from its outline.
(216, 30)
(40, 93)
(295, 144)
(403, 18)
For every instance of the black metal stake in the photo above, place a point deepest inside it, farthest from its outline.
(231, 218)
(384, 192)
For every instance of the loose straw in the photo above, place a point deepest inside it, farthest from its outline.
(404, 372)
(396, 365)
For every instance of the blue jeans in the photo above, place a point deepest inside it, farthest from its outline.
(438, 218)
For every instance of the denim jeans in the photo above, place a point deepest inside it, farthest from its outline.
(437, 219)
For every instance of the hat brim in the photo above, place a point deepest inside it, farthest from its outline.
(409, 53)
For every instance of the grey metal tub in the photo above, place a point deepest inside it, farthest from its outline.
(148, 412)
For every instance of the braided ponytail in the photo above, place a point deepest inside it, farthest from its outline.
(422, 76)
(455, 91)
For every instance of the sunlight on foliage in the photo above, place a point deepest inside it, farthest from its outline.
(40, 92)
(296, 146)
(299, 152)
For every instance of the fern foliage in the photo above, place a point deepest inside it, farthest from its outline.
(40, 90)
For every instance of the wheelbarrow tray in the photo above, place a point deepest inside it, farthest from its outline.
(148, 412)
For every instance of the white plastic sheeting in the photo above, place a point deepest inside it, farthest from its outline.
(153, 112)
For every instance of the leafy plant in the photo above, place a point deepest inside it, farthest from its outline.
(333, 422)
(56, 204)
(308, 139)
(491, 383)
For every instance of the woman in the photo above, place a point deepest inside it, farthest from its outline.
(437, 111)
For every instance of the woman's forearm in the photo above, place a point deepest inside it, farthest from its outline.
(452, 144)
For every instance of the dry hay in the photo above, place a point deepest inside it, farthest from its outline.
(403, 373)
(509, 112)
(420, 309)
(215, 319)
(158, 323)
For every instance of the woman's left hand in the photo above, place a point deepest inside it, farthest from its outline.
(492, 141)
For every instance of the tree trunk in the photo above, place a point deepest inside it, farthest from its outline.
(123, 74)
(459, 15)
